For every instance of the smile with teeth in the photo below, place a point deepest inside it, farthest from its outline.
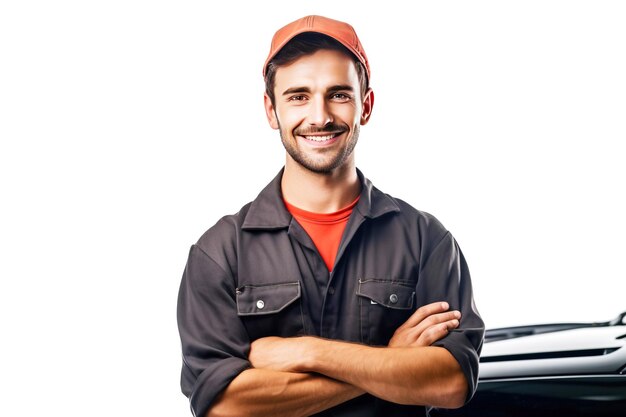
(325, 138)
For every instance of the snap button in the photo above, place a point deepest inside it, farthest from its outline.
(393, 298)
(260, 304)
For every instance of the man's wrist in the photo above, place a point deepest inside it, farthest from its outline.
(309, 354)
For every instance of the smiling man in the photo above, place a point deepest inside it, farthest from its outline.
(325, 296)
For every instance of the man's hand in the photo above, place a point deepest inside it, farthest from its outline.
(428, 324)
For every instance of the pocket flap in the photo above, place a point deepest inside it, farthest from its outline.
(266, 299)
(387, 293)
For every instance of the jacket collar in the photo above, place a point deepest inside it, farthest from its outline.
(268, 211)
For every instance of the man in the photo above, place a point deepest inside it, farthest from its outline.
(325, 296)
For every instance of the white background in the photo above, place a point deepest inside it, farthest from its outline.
(129, 127)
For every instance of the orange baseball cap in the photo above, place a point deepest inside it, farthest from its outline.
(340, 31)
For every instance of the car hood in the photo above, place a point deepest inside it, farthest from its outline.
(588, 350)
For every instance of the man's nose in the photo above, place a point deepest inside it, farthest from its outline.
(319, 113)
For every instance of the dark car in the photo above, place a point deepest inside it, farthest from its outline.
(565, 369)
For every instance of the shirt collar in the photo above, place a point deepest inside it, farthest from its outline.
(268, 211)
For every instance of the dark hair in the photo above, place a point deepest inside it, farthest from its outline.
(307, 44)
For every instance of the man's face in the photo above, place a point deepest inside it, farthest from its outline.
(318, 110)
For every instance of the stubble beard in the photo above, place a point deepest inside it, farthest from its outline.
(333, 160)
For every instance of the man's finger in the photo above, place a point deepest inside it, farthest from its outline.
(436, 319)
(425, 311)
(437, 332)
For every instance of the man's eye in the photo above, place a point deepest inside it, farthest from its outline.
(297, 98)
(340, 96)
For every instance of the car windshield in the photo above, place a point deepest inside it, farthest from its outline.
(504, 333)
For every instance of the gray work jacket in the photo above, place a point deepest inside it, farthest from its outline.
(257, 273)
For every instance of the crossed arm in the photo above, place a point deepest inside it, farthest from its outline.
(302, 376)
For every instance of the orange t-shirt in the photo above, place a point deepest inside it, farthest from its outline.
(325, 229)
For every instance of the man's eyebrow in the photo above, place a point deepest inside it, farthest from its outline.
(293, 90)
(341, 87)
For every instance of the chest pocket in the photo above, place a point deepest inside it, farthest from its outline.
(384, 306)
(271, 309)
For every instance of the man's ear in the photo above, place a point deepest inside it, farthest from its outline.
(270, 112)
(368, 105)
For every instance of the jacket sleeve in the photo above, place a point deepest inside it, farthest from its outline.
(215, 345)
(444, 276)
